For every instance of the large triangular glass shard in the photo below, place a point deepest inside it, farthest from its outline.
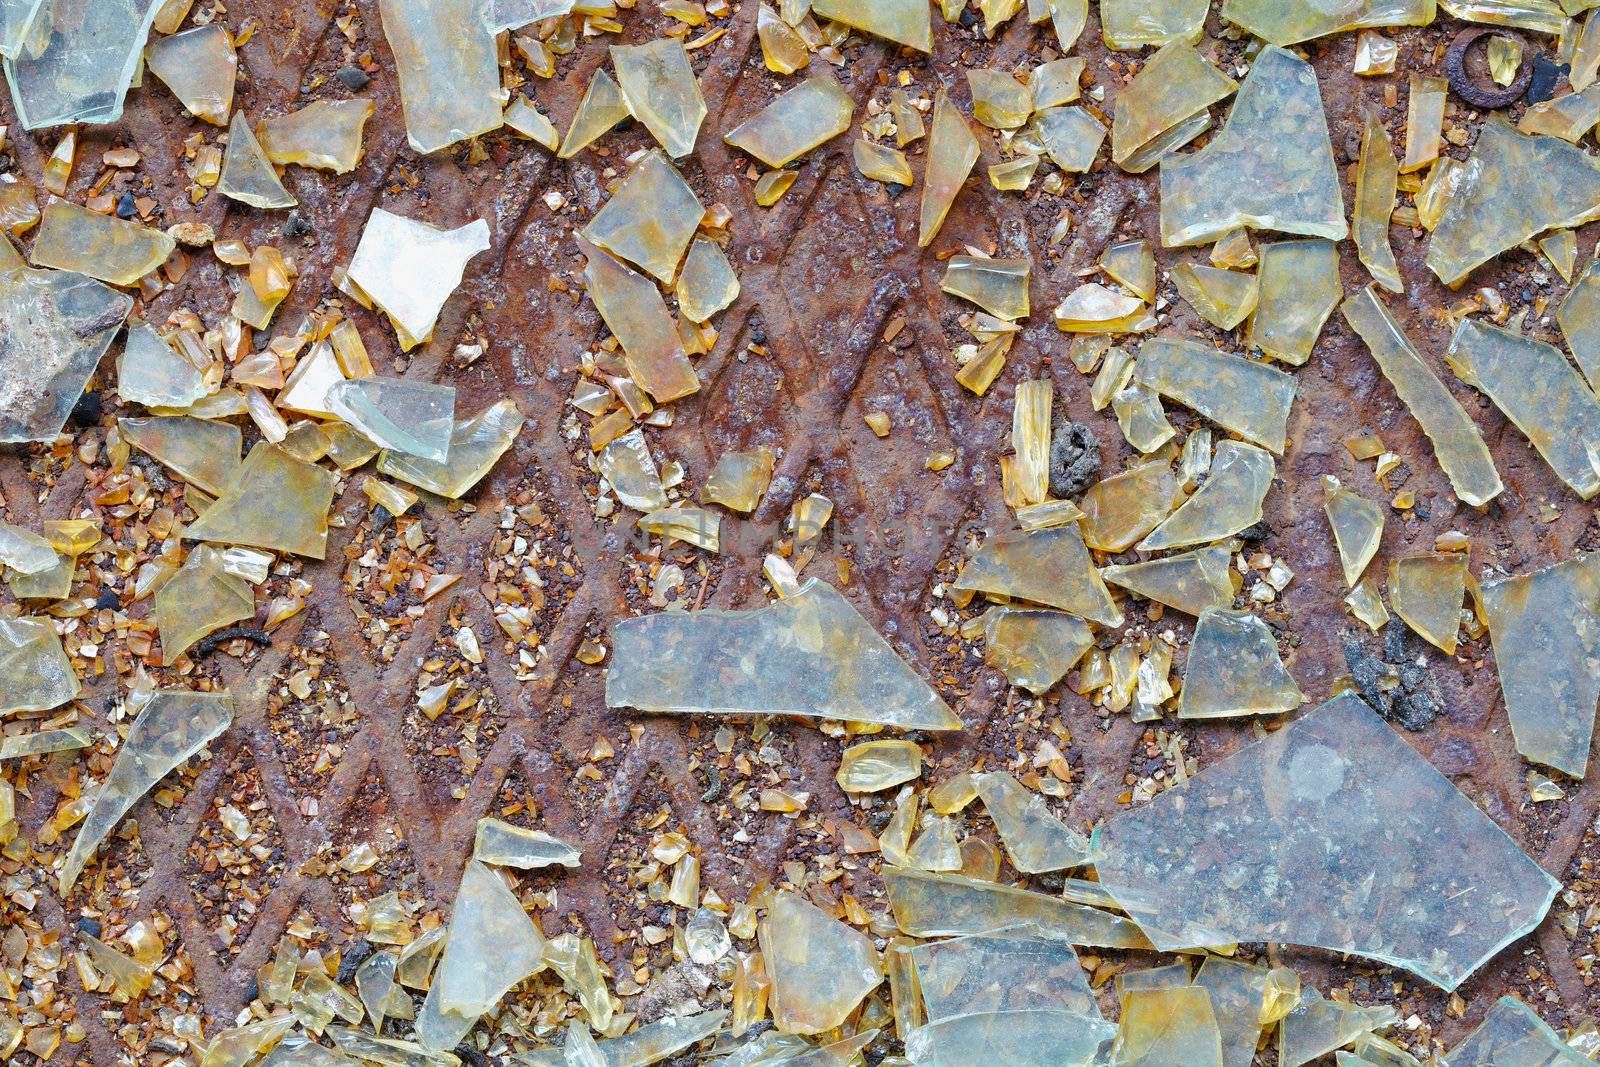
(1050, 567)
(17, 19)
(154, 373)
(416, 418)
(169, 726)
(492, 945)
(1545, 629)
(1286, 22)
(200, 67)
(272, 501)
(1270, 167)
(810, 654)
(952, 151)
(820, 967)
(1534, 385)
(812, 113)
(1332, 832)
(57, 326)
(200, 599)
(601, 108)
(906, 22)
(1511, 1035)
(448, 68)
(410, 268)
(1238, 394)
(1234, 669)
(1496, 208)
(650, 219)
(1229, 501)
(1457, 444)
(1357, 525)
(90, 51)
(35, 674)
(945, 905)
(637, 316)
(205, 454)
(1187, 581)
(476, 445)
(659, 87)
(247, 174)
(1035, 840)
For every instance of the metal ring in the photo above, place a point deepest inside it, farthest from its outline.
(1473, 92)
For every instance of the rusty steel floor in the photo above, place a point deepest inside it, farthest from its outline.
(801, 357)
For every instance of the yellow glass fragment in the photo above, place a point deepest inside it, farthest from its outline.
(633, 309)
(1050, 567)
(1375, 55)
(1035, 840)
(448, 69)
(201, 598)
(601, 108)
(1226, 503)
(1560, 249)
(1286, 22)
(952, 151)
(205, 454)
(783, 50)
(1071, 136)
(738, 480)
(1224, 298)
(1579, 316)
(1249, 398)
(659, 87)
(707, 283)
(650, 220)
(1300, 287)
(1093, 308)
(999, 100)
(532, 123)
(812, 113)
(1174, 85)
(905, 22)
(1161, 1027)
(942, 905)
(272, 501)
(820, 968)
(1426, 592)
(200, 68)
(1034, 649)
(1141, 419)
(1127, 24)
(1234, 669)
(873, 766)
(882, 163)
(1190, 581)
(99, 246)
(1377, 177)
(1132, 264)
(1119, 510)
(325, 135)
(1357, 525)
(34, 668)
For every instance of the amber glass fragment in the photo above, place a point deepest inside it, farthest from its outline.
(1377, 177)
(1034, 649)
(812, 113)
(1050, 567)
(1234, 669)
(1300, 287)
(324, 135)
(1426, 591)
(952, 151)
(820, 968)
(76, 239)
(272, 501)
(1239, 394)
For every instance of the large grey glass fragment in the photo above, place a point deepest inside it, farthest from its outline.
(1511, 1035)
(35, 674)
(947, 905)
(649, 1044)
(1545, 629)
(90, 51)
(1270, 167)
(1018, 968)
(1036, 841)
(1238, 394)
(1027, 1038)
(169, 726)
(810, 654)
(1333, 832)
(416, 418)
(1050, 567)
(57, 325)
(17, 19)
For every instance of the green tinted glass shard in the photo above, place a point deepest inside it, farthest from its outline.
(1238, 394)
(200, 599)
(476, 445)
(1537, 389)
(944, 905)
(1426, 591)
(1353, 844)
(73, 238)
(1050, 567)
(1167, 1026)
(1234, 669)
(1300, 287)
(1357, 525)
(1511, 1035)
(1132, 264)
(57, 325)
(1191, 582)
(169, 726)
(601, 108)
(1457, 444)
(810, 654)
(1270, 167)
(1119, 510)
(448, 70)
(1139, 23)
(660, 89)
(952, 151)
(1229, 501)
(650, 220)
(1494, 209)
(17, 20)
(247, 174)
(812, 113)
(1286, 22)
(34, 667)
(86, 57)
(906, 22)
(1174, 85)
(1318, 1026)
(1034, 649)
(820, 967)
(205, 454)
(200, 68)
(1224, 298)
(1377, 178)
(1546, 639)
(272, 501)
(416, 418)
(1035, 840)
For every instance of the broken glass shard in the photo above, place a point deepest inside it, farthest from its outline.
(200, 68)
(200, 599)
(707, 283)
(313, 378)
(1560, 250)
(945, 905)
(1119, 510)
(1568, 117)
(204, 454)
(1238, 394)
(1426, 591)
(515, 14)
(1167, 1026)
(601, 108)
(649, 1044)
(247, 174)
(1493, 209)
(1377, 178)
(637, 316)
(952, 151)
(1222, 297)
(272, 501)
(476, 445)
(1187, 581)
(34, 667)
(1456, 441)
(409, 268)
(1318, 1026)
(1024, 1038)
(1270, 167)
(873, 766)
(630, 470)
(1094, 308)
(487, 924)
(1237, 990)
(1424, 121)
(505, 845)
(169, 726)
(660, 89)
(1579, 316)
(1128, 24)
(1234, 669)
(1035, 840)
(44, 742)
(905, 22)
(152, 372)
(76, 239)
(1357, 525)
(1034, 649)
(88, 52)
(820, 968)
(1534, 385)
(531, 123)
(1050, 567)
(1132, 264)
(17, 21)
(1332, 832)
(882, 163)
(1366, 604)
(1286, 22)
(325, 135)
(57, 325)
(999, 100)
(1030, 440)
(812, 113)
(810, 654)
(783, 50)
(1547, 650)
(448, 69)
(1015, 969)
(1071, 136)
(738, 480)
(998, 286)
(1141, 418)
(1511, 1035)
(1174, 85)
(1300, 287)
(412, 417)
(650, 219)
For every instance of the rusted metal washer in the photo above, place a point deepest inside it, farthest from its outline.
(1473, 91)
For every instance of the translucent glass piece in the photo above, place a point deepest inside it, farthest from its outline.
(998, 286)
(707, 283)
(57, 326)
(1132, 264)
(1035, 840)
(504, 845)
(1456, 441)
(1424, 121)
(1050, 567)
(873, 766)
(738, 479)
(1543, 627)
(1511, 1035)
(820, 968)
(74, 238)
(272, 501)
(34, 667)
(1187, 581)
(325, 135)
(952, 151)
(17, 18)
(169, 726)
(1318, 1026)
(1534, 385)
(476, 445)
(1094, 308)
(1121, 509)
(601, 108)
(630, 470)
(1300, 287)
(247, 174)
(1137, 23)
(650, 220)
(1249, 398)
(999, 100)
(1426, 591)
(1567, 117)
(649, 1044)
(906, 22)
(1237, 990)
(812, 113)
(810, 654)
(448, 69)
(1377, 178)
(1560, 250)
(1167, 1026)
(1494, 209)
(1234, 669)
(492, 945)
(531, 123)
(882, 163)
(1071, 136)
(1375, 54)
(200, 599)
(412, 417)
(783, 50)
(200, 68)
(1224, 298)
(1025, 1038)
(72, 738)
(1141, 418)
(1286, 22)
(660, 89)
(1332, 832)
(1357, 525)
(1270, 167)
(205, 454)
(515, 14)
(633, 309)
(1015, 969)
(1544, 16)
(944, 905)
(87, 62)
(409, 268)
(1175, 84)
(1034, 649)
